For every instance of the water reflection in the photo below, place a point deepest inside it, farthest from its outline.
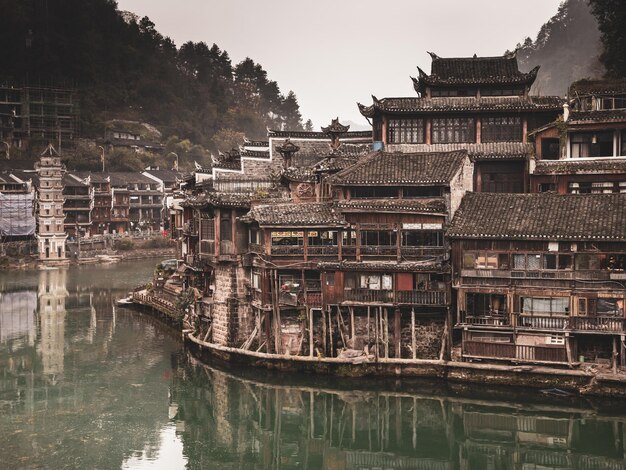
(231, 421)
(86, 385)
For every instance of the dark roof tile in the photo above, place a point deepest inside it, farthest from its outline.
(296, 214)
(544, 216)
(429, 205)
(393, 169)
(580, 167)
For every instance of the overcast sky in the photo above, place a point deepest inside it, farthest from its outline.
(333, 53)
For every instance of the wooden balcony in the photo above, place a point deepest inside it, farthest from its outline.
(287, 250)
(323, 250)
(486, 320)
(256, 248)
(419, 297)
(541, 321)
(597, 323)
(514, 352)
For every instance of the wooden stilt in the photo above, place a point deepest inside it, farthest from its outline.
(375, 333)
(368, 325)
(324, 332)
(386, 333)
(330, 331)
(339, 325)
(397, 332)
(352, 328)
(310, 310)
(614, 356)
(413, 338)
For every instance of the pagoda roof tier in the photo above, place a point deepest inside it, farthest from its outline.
(472, 71)
(461, 104)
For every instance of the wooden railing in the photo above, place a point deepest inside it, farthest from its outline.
(599, 323)
(486, 320)
(518, 352)
(580, 323)
(544, 322)
(421, 297)
(323, 250)
(537, 274)
(288, 250)
(412, 251)
(368, 295)
(256, 248)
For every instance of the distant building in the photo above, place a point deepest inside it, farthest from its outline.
(38, 114)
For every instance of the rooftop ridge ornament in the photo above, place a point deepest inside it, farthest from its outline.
(335, 130)
(433, 55)
(287, 150)
(50, 151)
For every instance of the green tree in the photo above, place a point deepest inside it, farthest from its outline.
(611, 16)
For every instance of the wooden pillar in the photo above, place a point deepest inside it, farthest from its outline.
(352, 327)
(614, 355)
(397, 332)
(428, 131)
(386, 332)
(478, 130)
(621, 351)
(524, 130)
(324, 331)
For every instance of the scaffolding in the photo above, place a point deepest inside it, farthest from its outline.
(17, 218)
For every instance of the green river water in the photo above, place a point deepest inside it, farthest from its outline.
(87, 385)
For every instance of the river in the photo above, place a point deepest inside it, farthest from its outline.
(85, 384)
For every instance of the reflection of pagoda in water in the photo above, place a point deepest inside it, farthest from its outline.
(52, 293)
(234, 422)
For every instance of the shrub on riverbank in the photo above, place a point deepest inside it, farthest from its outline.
(124, 244)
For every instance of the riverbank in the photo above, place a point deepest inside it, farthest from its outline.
(580, 382)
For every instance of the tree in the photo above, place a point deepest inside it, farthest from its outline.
(308, 125)
(611, 16)
(291, 112)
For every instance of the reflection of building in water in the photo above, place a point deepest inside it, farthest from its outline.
(17, 316)
(52, 293)
(232, 422)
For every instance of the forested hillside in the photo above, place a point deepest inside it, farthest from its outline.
(125, 69)
(567, 47)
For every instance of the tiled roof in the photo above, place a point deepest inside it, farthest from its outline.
(167, 176)
(244, 152)
(436, 205)
(70, 179)
(218, 199)
(485, 151)
(543, 216)
(366, 135)
(296, 214)
(585, 117)
(96, 177)
(597, 87)
(303, 175)
(416, 105)
(577, 167)
(126, 177)
(393, 169)
(477, 70)
(391, 266)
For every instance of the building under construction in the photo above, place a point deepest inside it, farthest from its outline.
(31, 114)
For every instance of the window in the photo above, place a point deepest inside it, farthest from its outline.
(450, 130)
(376, 281)
(378, 129)
(287, 238)
(226, 227)
(597, 144)
(501, 129)
(453, 92)
(323, 238)
(501, 91)
(378, 237)
(550, 149)
(348, 238)
(623, 144)
(608, 307)
(587, 262)
(546, 187)
(256, 280)
(369, 192)
(485, 304)
(330, 279)
(253, 236)
(207, 229)
(421, 191)
(405, 131)
(543, 306)
(422, 238)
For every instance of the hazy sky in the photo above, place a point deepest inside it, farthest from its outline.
(333, 53)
